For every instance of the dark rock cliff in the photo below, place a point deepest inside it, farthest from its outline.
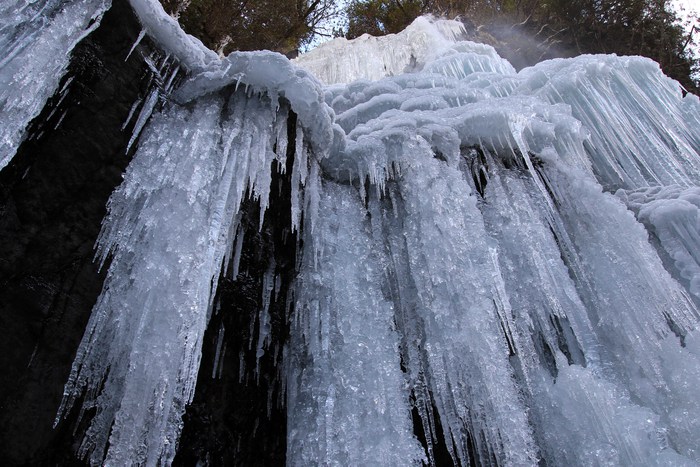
(52, 201)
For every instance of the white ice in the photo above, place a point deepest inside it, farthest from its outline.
(671, 215)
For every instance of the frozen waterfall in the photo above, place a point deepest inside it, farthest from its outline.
(501, 265)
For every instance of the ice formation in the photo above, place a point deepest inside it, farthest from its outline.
(369, 57)
(468, 280)
(671, 214)
(528, 294)
(36, 39)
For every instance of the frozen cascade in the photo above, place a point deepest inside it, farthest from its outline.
(139, 358)
(369, 57)
(671, 214)
(628, 107)
(467, 282)
(452, 274)
(145, 333)
(557, 276)
(348, 399)
(36, 39)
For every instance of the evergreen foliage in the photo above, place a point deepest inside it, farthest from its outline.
(379, 17)
(523, 31)
(227, 25)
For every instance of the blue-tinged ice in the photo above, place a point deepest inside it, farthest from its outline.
(168, 233)
(348, 398)
(372, 58)
(575, 285)
(643, 131)
(671, 215)
(36, 39)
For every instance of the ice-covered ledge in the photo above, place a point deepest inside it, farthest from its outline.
(263, 72)
(168, 34)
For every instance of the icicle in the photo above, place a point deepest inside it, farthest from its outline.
(134, 106)
(281, 140)
(241, 366)
(237, 255)
(36, 39)
(60, 119)
(299, 177)
(264, 325)
(143, 117)
(138, 40)
(221, 362)
(278, 286)
(168, 87)
(203, 163)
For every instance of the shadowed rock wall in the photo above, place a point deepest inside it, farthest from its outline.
(52, 201)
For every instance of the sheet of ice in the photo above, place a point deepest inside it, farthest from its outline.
(617, 431)
(553, 340)
(671, 213)
(368, 57)
(36, 39)
(449, 255)
(681, 368)
(643, 131)
(633, 303)
(543, 311)
(567, 268)
(348, 401)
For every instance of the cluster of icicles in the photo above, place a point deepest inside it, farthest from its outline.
(471, 252)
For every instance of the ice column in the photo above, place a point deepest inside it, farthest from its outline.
(347, 396)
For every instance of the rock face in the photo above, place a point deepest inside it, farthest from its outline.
(52, 201)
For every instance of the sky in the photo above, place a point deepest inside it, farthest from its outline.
(694, 4)
(686, 8)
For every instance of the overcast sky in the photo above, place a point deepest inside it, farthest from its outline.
(689, 5)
